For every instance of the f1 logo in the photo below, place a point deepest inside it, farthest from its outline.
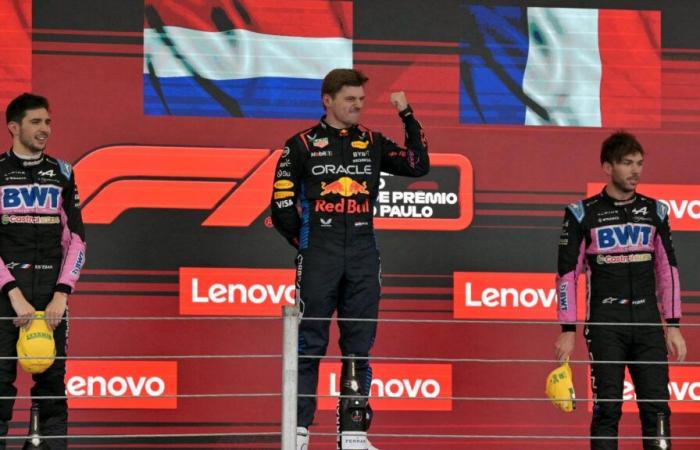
(236, 183)
(114, 179)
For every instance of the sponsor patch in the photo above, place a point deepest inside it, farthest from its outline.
(344, 186)
(283, 194)
(34, 220)
(563, 297)
(577, 210)
(320, 142)
(283, 184)
(622, 259)
(661, 210)
(30, 196)
(65, 168)
(359, 144)
(623, 236)
(284, 203)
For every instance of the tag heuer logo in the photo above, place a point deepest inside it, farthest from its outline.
(320, 142)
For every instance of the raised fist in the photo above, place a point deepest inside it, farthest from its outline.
(398, 99)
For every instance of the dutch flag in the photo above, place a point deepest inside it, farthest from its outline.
(261, 59)
(560, 67)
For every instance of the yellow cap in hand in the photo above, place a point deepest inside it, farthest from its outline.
(36, 343)
(560, 388)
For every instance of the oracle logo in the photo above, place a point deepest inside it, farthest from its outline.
(684, 385)
(502, 295)
(235, 291)
(397, 387)
(121, 384)
(682, 201)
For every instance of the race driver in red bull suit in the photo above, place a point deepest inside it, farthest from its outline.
(325, 185)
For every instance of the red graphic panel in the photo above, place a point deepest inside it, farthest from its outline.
(16, 49)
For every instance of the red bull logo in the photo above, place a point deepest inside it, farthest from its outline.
(345, 186)
(345, 205)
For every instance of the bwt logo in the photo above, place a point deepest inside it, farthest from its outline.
(509, 296)
(34, 196)
(235, 184)
(395, 387)
(121, 384)
(684, 385)
(235, 292)
(80, 260)
(623, 236)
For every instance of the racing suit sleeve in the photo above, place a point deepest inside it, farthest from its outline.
(7, 281)
(286, 190)
(668, 289)
(571, 260)
(411, 161)
(72, 238)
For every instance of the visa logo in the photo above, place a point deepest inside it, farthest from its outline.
(627, 235)
(30, 197)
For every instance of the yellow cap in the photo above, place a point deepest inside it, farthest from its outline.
(36, 342)
(560, 388)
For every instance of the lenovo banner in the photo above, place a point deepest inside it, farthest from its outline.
(121, 384)
(684, 386)
(510, 296)
(395, 387)
(235, 292)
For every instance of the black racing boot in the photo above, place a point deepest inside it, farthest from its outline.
(34, 441)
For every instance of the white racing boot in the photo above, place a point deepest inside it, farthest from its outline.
(302, 438)
(355, 441)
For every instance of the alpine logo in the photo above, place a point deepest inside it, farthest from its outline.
(643, 211)
(47, 173)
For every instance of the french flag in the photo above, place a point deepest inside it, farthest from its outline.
(237, 58)
(560, 67)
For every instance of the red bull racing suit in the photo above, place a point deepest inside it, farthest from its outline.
(42, 250)
(325, 186)
(625, 249)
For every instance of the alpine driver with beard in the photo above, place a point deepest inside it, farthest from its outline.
(621, 239)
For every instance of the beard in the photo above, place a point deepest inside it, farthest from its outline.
(622, 185)
(28, 142)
